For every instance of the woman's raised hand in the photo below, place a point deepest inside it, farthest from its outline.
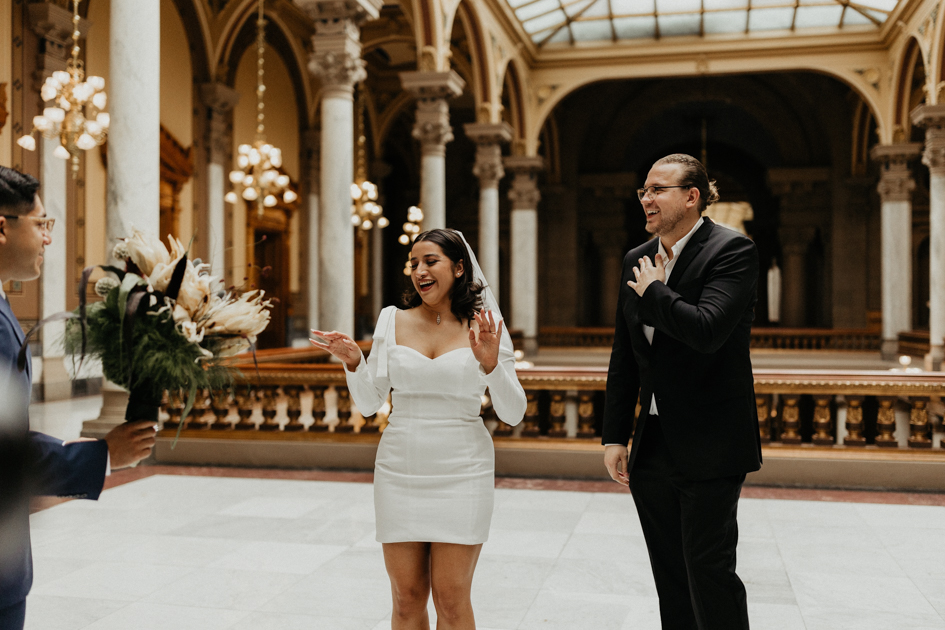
(340, 345)
(486, 347)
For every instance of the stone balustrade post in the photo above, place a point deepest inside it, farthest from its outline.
(524, 259)
(932, 117)
(432, 128)
(489, 138)
(336, 62)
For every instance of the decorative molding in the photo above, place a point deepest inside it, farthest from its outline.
(871, 76)
(932, 118)
(896, 182)
(524, 192)
(489, 138)
(220, 99)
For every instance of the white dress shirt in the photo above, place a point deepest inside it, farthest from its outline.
(668, 264)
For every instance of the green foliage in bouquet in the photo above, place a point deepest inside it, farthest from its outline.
(155, 356)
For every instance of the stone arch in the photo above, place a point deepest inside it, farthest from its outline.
(513, 100)
(279, 39)
(549, 96)
(906, 91)
(482, 83)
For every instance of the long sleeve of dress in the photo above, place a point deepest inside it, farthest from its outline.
(369, 384)
(508, 396)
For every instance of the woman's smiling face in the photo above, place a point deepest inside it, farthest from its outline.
(432, 272)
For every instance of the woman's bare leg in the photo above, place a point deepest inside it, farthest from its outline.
(408, 565)
(451, 572)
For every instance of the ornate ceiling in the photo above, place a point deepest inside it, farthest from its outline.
(569, 22)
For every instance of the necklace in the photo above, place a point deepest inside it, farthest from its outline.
(437, 319)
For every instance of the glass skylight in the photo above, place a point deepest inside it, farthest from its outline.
(572, 21)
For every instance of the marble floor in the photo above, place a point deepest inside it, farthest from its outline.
(182, 551)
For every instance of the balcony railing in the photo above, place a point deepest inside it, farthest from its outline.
(838, 410)
(855, 339)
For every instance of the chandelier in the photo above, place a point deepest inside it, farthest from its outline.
(257, 176)
(412, 229)
(74, 107)
(365, 211)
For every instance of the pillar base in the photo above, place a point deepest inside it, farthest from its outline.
(530, 346)
(933, 360)
(889, 351)
(56, 383)
(114, 402)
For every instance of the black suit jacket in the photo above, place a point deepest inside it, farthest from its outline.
(698, 366)
(30, 464)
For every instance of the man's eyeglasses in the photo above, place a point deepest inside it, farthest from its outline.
(651, 191)
(44, 222)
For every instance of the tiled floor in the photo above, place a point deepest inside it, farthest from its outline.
(175, 552)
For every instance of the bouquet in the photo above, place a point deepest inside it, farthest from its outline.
(165, 323)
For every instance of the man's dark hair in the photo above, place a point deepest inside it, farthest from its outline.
(465, 298)
(17, 191)
(694, 176)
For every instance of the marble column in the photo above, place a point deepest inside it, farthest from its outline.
(489, 138)
(54, 26)
(524, 259)
(432, 128)
(313, 139)
(795, 243)
(932, 117)
(895, 190)
(134, 150)
(220, 99)
(336, 62)
(134, 143)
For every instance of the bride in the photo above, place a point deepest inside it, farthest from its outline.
(434, 477)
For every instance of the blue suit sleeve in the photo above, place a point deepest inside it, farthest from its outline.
(74, 470)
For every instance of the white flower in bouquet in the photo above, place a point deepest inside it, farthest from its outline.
(145, 252)
(247, 316)
(104, 285)
(192, 332)
(198, 292)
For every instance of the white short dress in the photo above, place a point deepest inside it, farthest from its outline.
(434, 476)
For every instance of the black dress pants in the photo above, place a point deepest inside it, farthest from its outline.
(13, 617)
(691, 534)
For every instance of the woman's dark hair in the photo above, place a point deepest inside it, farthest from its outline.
(17, 191)
(694, 176)
(465, 298)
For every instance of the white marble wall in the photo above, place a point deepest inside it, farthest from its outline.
(489, 235)
(336, 253)
(897, 270)
(55, 270)
(216, 217)
(433, 190)
(525, 272)
(937, 265)
(134, 144)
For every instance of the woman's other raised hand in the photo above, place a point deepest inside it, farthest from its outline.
(486, 347)
(340, 345)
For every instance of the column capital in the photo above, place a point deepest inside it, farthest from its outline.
(524, 191)
(489, 133)
(53, 24)
(895, 180)
(218, 96)
(432, 85)
(220, 100)
(336, 44)
(488, 138)
(932, 118)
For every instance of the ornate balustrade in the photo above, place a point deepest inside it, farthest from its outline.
(843, 410)
(761, 338)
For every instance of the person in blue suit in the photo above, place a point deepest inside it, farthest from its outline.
(32, 463)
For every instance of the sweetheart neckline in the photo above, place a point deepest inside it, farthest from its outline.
(439, 356)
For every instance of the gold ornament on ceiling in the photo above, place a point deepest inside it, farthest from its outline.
(74, 110)
(257, 176)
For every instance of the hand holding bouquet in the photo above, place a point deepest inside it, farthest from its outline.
(165, 323)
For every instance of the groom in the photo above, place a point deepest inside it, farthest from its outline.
(681, 343)
(32, 463)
